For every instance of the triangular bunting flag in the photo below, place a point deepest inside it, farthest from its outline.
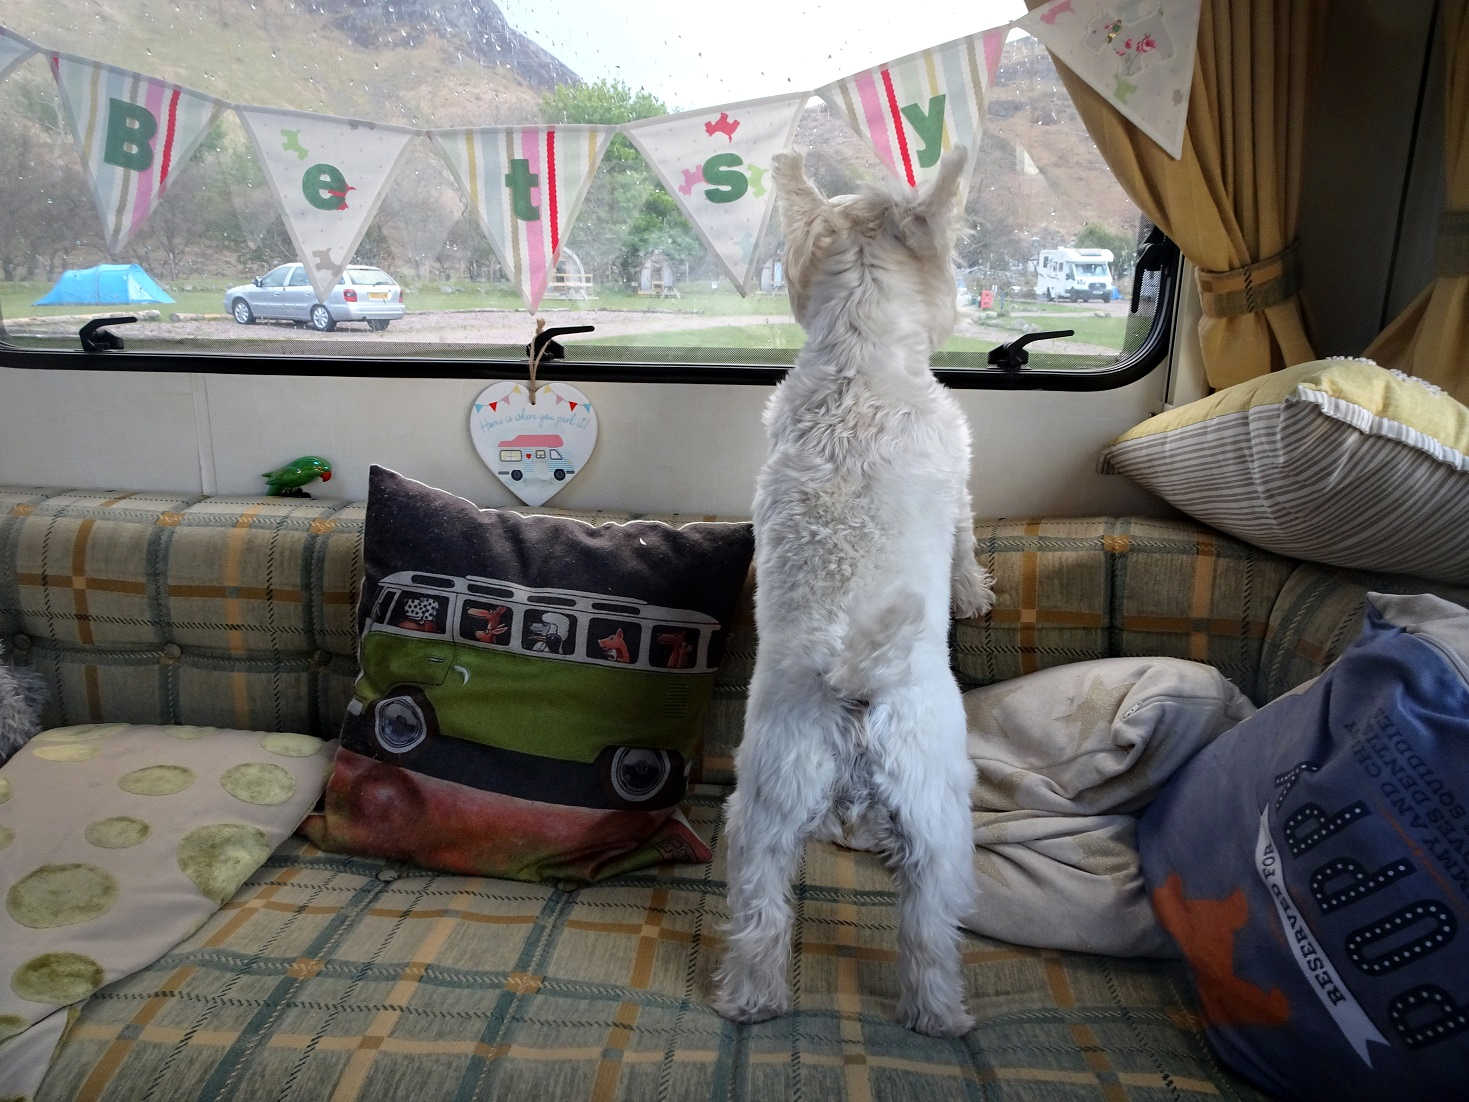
(525, 184)
(134, 133)
(13, 50)
(1142, 64)
(915, 109)
(715, 163)
(328, 176)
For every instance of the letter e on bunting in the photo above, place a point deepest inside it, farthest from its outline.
(716, 163)
(134, 133)
(525, 184)
(13, 50)
(915, 109)
(328, 176)
(1137, 54)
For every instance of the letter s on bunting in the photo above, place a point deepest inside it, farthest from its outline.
(713, 163)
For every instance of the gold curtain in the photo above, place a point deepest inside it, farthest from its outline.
(1430, 338)
(1231, 201)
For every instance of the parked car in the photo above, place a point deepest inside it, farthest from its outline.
(284, 293)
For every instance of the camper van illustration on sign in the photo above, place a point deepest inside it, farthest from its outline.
(532, 454)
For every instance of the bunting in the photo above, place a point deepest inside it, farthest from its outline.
(13, 50)
(716, 164)
(328, 176)
(134, 133)
(525, 184)
(1139, 57)
(915, 109)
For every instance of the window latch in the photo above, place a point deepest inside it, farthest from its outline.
(1012, 356)
(95, 338)
(543, 347)
(1150, 258)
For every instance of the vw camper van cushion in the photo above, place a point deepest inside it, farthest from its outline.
(1313, 866)
(533, 688)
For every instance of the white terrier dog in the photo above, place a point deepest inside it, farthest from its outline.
(863, 537)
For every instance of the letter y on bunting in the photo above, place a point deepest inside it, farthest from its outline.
(716, 163)
(915, 109)
(525, 184)
(134, 133)
(328, 176)
(13, 50)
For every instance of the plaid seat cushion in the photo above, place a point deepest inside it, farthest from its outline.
(1319, 613)
(160, 608)
(1113, 587)
(337, 977)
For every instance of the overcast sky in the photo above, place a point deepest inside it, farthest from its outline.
(690, 54)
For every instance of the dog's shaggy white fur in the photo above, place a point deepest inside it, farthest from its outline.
(863, 539)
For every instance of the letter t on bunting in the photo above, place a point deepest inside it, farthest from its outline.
(328, 176)
(13, 50)
(714, 163)
(525, 185)
(134, 134)
(915, 109)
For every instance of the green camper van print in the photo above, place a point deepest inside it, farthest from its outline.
(505, 666)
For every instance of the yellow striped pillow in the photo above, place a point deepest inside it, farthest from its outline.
(1338, 461)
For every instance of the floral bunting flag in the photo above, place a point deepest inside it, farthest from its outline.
(1137, 54)
(716, 164)
(525, 184)
(135, 133)
(13, 50)
(914, 109)
(328, 176)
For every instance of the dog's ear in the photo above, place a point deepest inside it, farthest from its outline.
(941, 199)
(800, 202)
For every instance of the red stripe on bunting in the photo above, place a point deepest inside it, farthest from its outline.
(173, 119)
(551, 190)
(887, 83)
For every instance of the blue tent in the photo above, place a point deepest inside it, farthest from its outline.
(104, 285)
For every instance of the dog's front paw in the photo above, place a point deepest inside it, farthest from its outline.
(973, 592)
(739, 1000)
(935, 1021)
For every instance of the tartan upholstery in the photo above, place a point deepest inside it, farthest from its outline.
(1317, 615)
(327, 976)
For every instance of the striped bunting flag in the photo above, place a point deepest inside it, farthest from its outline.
(915, 109)
(134, 133)
(716, 163)
(525, 184)
(328, 176)
(13, 50)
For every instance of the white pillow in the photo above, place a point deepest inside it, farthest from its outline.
(116, 843)
(1063, 759)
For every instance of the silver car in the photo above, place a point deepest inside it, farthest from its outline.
(284, 293)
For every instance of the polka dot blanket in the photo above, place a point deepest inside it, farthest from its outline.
(116, 843)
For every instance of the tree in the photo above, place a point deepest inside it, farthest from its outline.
(1124, 248)
(627, 213)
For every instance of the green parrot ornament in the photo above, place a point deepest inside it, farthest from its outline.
(287, 481)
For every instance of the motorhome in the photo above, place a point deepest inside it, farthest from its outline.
(1220, 442)
(1075, 274)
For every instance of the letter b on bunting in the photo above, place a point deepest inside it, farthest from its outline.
(134, 134)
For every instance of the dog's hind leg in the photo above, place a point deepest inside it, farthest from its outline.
(922, 776)
(785, 771)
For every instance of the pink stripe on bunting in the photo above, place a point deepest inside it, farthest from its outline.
(535, 242)
(994, 42)
(143, 195)
(877, 120)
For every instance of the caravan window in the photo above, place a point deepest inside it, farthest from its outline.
(631, 264)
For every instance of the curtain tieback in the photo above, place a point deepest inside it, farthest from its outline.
(1253, 288)
(1452, 254)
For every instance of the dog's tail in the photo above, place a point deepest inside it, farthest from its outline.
(877, 653)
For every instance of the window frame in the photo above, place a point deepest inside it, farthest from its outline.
(1160, 254)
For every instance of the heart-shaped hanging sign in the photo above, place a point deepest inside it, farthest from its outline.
(535, 448)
